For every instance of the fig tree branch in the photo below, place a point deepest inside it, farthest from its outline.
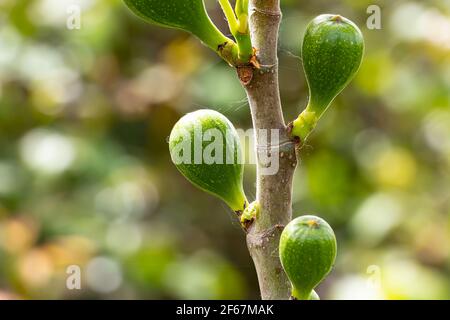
(274, 192)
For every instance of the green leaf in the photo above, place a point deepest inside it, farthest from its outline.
(188, 15)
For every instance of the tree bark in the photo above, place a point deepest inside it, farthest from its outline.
(274, 192)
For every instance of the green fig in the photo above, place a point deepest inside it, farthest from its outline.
(332, 52)
(314, 296)
(188, 15)
(307, 253)
(206, 149)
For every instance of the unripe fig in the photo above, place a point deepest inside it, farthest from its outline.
(332, 52)
(307, 253)
(188, 15)
(314, 296)
(206, 149)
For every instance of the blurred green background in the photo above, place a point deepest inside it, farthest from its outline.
(86, 178)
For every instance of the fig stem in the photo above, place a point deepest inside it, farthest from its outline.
(230, 15)
(273, 192)
(304, 124)
(238, 24)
